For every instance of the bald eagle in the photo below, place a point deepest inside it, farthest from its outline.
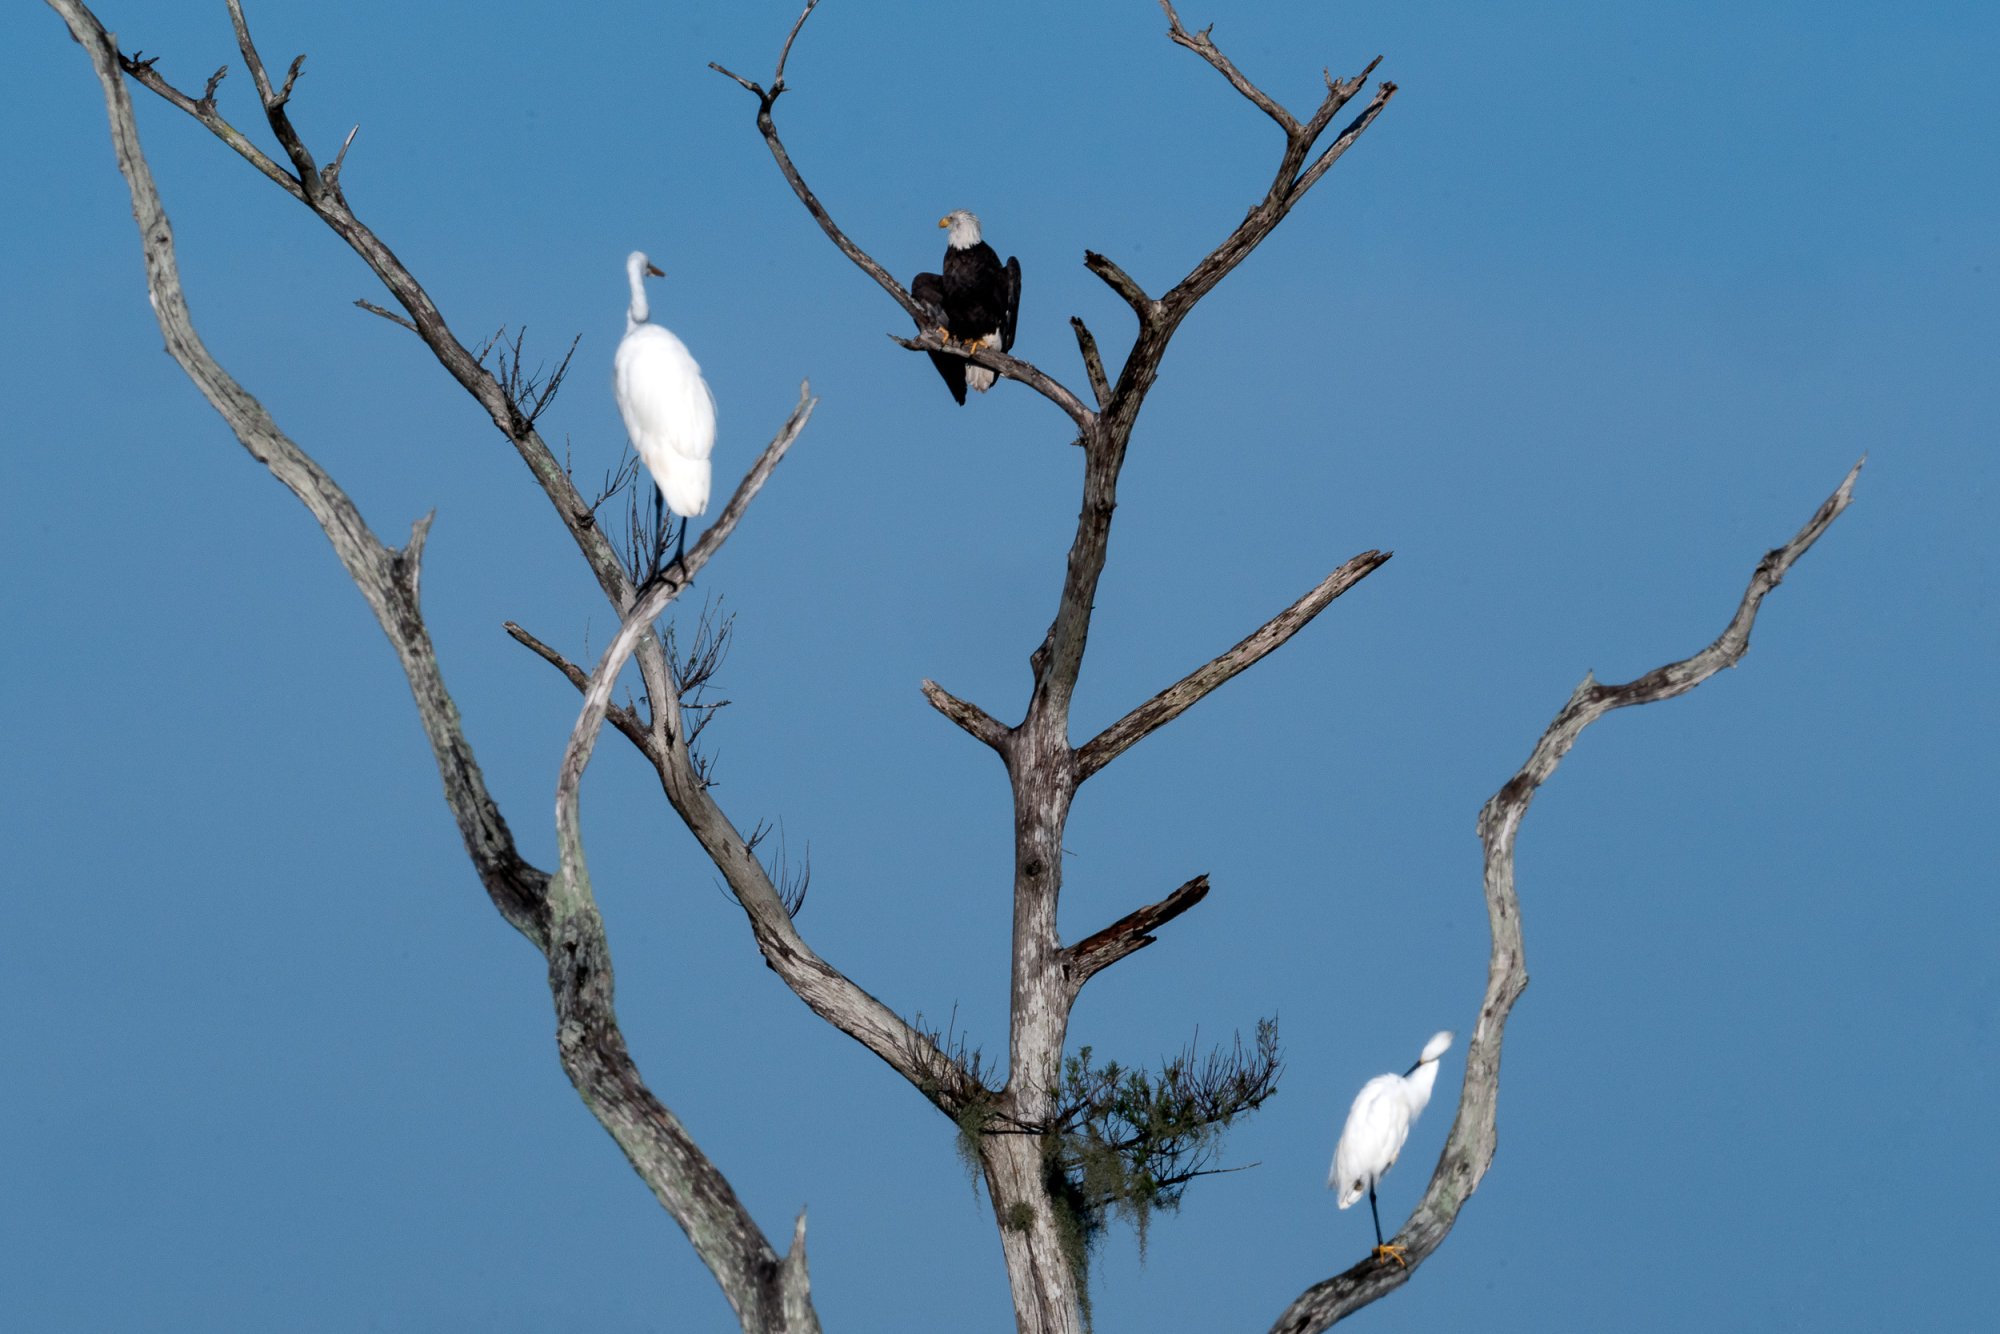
(973, 302)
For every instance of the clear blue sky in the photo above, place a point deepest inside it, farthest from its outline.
(1603, 306)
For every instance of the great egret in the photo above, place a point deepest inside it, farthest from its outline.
(974, 302)
(1377, 1125)
(668, 409)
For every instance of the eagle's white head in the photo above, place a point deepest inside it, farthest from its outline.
(964, 227)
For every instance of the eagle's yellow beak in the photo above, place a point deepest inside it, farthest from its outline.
(944, 222)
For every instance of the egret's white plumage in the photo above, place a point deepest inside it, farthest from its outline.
(668, 409)
(1377, 1125)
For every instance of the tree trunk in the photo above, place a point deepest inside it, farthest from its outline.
(1042, 1249)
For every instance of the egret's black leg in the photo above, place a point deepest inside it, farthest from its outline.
(1383, 1251)
(659, 542)
(681, 553)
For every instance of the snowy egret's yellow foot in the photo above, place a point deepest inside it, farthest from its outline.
(1386, 1253)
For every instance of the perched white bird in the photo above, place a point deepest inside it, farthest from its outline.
(668, 410)
(1377, 1125)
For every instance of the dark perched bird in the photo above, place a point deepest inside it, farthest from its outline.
(973, 302)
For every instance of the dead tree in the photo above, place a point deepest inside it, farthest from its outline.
(1062, 1140)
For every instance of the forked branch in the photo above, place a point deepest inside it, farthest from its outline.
(388, 579)
(824, 988)
(1012, 368)
(1293, 176)
(1469, 1149)
(320, 192)
(1199, 43)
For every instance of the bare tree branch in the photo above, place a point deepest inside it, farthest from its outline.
(575, 674)
(388, 315)
(1013, 368)
(1130, 933)
(682, 574)
(387, 579)
(829, 992)
(204, 111)
(975, 720)
(1093, 364)
(1469, 1149)
(331, 175)
(1177, 698)
(1289, 186)
(1203, 47)
(1339, 92)
(1123, 283)
(274, 102)
(625, 720)
(327, 202)
(593, 1050)
(1346, 138)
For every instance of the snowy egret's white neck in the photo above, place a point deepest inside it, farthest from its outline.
(1439, 1045)
(1418, 1086)
(636, 269)
(964, 232)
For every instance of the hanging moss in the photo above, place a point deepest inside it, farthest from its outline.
(972, 1117)
(1126, 1143)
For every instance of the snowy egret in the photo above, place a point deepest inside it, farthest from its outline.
(668, 409)
(974, 302)
(1377, 1125)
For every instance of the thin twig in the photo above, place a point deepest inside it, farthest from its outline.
(778, 78)
(330, 177)
(389, 315)
(626, 720)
